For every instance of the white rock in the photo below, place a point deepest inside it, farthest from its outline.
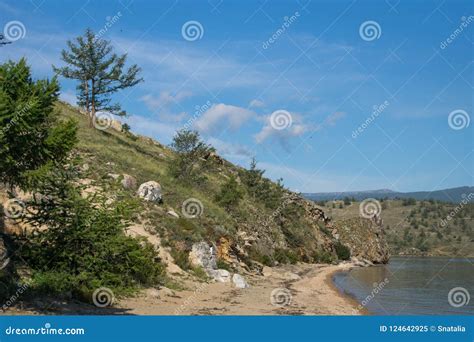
(222, 276)
(150, 191)
(203, 255)
(239, 281)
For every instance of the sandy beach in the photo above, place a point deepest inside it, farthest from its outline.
(302, 289)
(297, 290)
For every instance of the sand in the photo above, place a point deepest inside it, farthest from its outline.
(303, 289)
(297, 290)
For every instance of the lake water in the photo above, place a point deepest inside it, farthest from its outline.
(413, 286)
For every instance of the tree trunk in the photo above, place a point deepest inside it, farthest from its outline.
(88, 105)
(92, 114)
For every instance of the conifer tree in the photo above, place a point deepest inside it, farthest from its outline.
(30, 134)
(100, 72)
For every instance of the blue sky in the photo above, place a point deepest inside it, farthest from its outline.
(309, 61)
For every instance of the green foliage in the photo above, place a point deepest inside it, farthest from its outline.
(191, 154)
(285, 256)
(85, 246)
(30, 134)
(409, 201)
(322, 257)
(221, 264)
(343, 252)
(261, 188)
(230, 194)
(126, 128)
(100, 72)
(199, 272)
(181, 258)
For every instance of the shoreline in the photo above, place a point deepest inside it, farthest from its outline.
(348, 297)
(309, 290)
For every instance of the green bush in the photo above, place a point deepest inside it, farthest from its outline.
(230, 194)
(85, 246)
(322, 257)
(343, 252)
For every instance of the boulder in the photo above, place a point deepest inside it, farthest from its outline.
(222, 276)
(203, 255)
(239, 281)
(150, 191)
(129, 182)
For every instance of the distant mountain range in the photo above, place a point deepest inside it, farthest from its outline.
(453, 195)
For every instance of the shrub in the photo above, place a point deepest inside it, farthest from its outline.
(84, 246)
(190, 156)
(30, 134)
(343, 252)
(230, 194)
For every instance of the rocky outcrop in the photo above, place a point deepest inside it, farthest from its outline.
(150, 191)
(365, 239)
(203, 255)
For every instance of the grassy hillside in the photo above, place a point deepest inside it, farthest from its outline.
(420, 227)
(275, 228)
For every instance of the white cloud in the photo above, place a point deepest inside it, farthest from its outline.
(297, 128)
(161, 105)
(223, 116)
(232, 152)
(160, 131)
(256, 104)
(164, 99)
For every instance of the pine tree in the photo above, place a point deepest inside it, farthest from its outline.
(190, 159)
(230, 194)
(30, 135)
(100, 72)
